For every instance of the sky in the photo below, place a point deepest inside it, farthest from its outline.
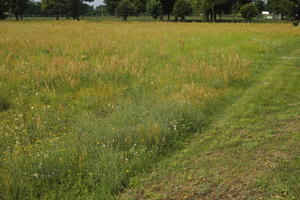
(95, 3)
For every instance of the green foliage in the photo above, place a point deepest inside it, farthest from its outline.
(154, 8)
(168, 7)
(125, 8)
(17, 7)
(4, 103)
(182, 8)
(112, 6)
(56, 7)
(260, 5)
(140, 6)
(295, 23)
(34, 9)
(3, 9)
(249, 11)
(283, 7)
(73, 8)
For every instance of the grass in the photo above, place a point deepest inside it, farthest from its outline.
(250, 152)
(90, 105)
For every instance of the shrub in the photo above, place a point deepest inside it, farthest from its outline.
(249, 11)
(4, 103)
(295, 23)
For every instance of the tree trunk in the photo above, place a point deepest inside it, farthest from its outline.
(17, 17)
(161, 18)
(169, 17)
(125, 18)
(57, 16)
(214, 15)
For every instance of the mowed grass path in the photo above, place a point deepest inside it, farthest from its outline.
(251, 152)
(84, 106)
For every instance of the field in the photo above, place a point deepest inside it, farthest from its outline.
(86, 106)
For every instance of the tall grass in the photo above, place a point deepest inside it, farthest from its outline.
(85, 106)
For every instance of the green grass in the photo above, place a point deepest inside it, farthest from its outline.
(87, 106)
(250, 152)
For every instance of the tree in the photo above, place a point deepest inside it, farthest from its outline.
(112, 6)
(77, 7)
(140, 6)
(296, 10)
(196, 7)
(56, 7)
(208, 8)
(260, 5)
(3, 9)
(182, 8)
(280, 7)
(249, 11)
(101, 10)
(87, 10)
(34, 9)
(17, 7)
(154, 8)
(222, 6)
(125, 9)
(167, 7)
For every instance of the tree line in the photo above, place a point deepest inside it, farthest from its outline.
(67, 8)
(211, 9)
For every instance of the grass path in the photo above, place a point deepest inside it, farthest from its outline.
(251, 152)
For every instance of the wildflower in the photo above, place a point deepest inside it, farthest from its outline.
(36, 175)
(32, 107)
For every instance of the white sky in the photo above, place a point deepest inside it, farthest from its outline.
(95, 3)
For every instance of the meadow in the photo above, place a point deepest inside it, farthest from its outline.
(86, 106)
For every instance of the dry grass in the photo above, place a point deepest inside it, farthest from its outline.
(89, 105)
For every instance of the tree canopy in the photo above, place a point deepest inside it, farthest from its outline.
(3, 9)
(249, 11)
(154, 8)
(182, 8)
(17, 7)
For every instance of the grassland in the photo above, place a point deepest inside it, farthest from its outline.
(84, 106)
(250, 152)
